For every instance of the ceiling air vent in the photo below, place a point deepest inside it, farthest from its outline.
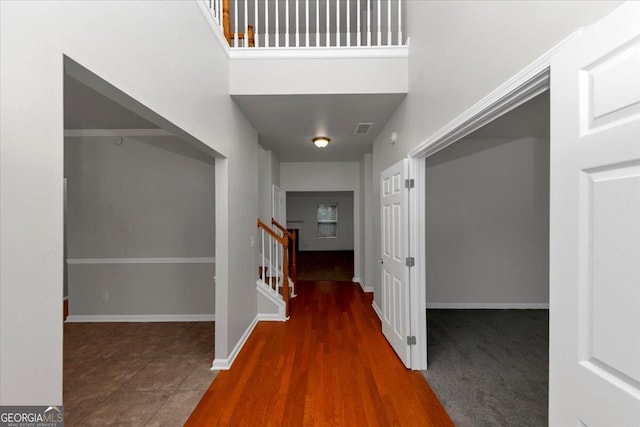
(363, 128)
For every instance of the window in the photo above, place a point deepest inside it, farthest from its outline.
(328, 221)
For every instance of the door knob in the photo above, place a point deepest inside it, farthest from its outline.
(380, 261)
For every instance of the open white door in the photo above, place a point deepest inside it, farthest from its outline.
(395, 247)
(276, 204)
(594, 377)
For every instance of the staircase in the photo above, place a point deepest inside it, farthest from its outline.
(277, 266)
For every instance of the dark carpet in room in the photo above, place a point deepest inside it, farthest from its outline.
(325, 265)
(490, 367)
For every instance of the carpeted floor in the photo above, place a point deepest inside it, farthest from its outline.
(325, 265)
(490, 367)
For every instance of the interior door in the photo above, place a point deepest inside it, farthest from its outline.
(595, 226)
(276, 205)
(395, 248)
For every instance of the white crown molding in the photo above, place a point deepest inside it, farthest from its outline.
(225, 364)
(71, 133)
(525, 85)
(141, 318)
(377, 310)
(488, 306)
(85, 261)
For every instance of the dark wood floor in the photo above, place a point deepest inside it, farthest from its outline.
(327, 366)
(325, 265)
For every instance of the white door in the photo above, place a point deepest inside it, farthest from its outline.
(594, 367)
(395, 248)
(276, 205)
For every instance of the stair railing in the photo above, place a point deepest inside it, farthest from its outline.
(274, 264)
(292, 236)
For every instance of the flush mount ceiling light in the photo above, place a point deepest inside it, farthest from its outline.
(321, 141)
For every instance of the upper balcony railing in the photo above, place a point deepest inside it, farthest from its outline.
(309, 23)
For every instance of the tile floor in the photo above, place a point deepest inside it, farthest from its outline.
(135, 374)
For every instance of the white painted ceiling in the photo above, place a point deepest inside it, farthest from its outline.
(287, 123)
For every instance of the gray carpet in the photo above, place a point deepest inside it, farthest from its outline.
(490, 367)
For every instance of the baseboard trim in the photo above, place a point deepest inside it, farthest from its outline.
(355, 279)
(488, 306)
(225, 364)
(270, 317)
(142, 318)
(377, 310)
(365, 288)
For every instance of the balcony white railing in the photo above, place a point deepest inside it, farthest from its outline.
(309, 23)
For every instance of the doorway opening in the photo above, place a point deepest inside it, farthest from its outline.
(325, 228)
(140, 242)
(487, 270)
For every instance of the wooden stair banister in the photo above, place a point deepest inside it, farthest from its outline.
(292, 235)
(284, 242)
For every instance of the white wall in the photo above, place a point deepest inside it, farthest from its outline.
(487, 223)
(460, 51)
(327, 176)
(268, 175)
(367, 238)
(139, 197)
(182, 76)
(302, 208)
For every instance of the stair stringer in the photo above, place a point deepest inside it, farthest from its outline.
(270, 307)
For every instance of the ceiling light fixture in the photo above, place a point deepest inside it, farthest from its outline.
(321, 141)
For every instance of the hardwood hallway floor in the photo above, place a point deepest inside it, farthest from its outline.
(328, 366)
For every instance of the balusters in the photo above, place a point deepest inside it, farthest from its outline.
(379, 24)
(359, 31)
(307, 24)
(388, 22)
(348, 24)
(328, 35)
(368, 22)
(360, 22)
(255, 23)
(337, 23)
(277, 34)
(399, 23)
(297, 23)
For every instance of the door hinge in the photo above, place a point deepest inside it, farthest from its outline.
(409, 183)
(411, 340)
(410, 261)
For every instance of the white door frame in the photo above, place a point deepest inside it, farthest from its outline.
(522, 87)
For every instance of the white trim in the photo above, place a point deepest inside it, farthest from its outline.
(489, 305)
(417, 249)
(362, 286)
(225, 364)
(275, 299)
(65, 298)
(525, 85)
(217, 31)
(377, 310)
(270, 317)
(116, 132)
(355, 279)
(322, 52)
(75, 261)
(141, 318)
